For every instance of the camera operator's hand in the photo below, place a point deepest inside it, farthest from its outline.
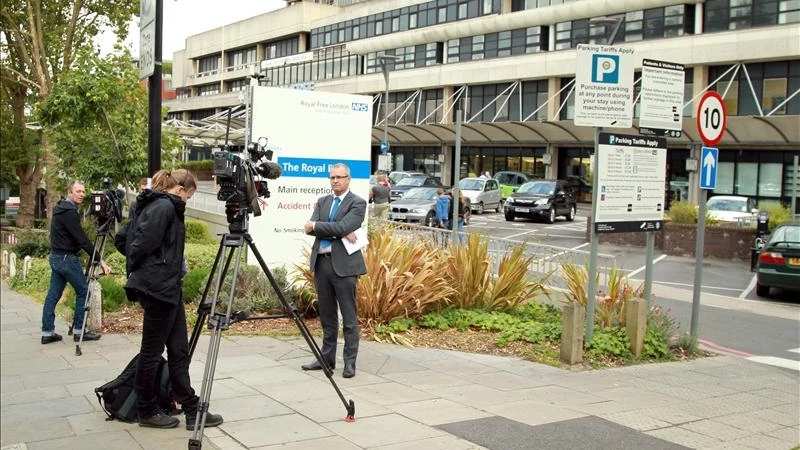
(106, 269)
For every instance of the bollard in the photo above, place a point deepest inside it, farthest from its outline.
(26, 266)
(636, 324)
(12, 265)
(95, 318)
(4, 263)
(572, 323)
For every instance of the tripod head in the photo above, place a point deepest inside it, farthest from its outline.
(237, 214)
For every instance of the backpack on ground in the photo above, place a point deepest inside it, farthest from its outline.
(118, 397)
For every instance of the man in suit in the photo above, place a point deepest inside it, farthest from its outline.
(336, 217)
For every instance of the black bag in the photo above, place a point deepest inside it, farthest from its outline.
(118, 397)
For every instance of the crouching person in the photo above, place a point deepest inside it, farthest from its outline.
(153, 243)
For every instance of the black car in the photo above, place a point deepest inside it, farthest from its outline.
(402, 186)
(542, 199)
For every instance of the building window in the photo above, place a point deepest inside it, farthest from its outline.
(378, 27)
(789, 11)
(462, 11)
(239, 59)
(208, 89)
(208, 65)
(504, 43)
(430, 110)
(721, 15)
(442, 15)
(772, 82)
(237, 85)
(477, 47)
(452, 50)
(412, 20)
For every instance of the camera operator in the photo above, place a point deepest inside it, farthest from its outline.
(67, 239)
(153, 243)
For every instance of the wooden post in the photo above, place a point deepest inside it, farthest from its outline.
(636, 324)
(95, 318)
(572, 323)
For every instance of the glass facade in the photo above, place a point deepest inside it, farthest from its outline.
(477, 160)
(765, 176)
(772, 83)
(723, 15)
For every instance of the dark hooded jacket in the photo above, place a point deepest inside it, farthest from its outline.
(153, 243)
(66, 234)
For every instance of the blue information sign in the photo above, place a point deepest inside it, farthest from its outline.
(709, 158)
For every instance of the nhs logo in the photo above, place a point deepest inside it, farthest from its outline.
(360, 107)
(605, 69)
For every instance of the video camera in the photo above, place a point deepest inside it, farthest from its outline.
(106, 206)
(242, 180)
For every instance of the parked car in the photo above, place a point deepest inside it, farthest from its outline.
(542, 199)
(417, 205)
(510, 180)
(731, 208)
(396, 176)
(373, 180)
(482, 193)
(412, 181)
(582, 187)
(779, 261)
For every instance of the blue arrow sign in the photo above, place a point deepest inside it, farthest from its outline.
(384, 146)
(709, 158)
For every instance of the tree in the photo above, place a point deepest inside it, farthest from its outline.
(38, 43)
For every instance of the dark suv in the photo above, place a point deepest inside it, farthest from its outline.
(542, 199)
(402, 186)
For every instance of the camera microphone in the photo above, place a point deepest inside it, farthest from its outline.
(269, 170)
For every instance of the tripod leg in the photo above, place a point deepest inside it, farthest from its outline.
(219, 322)
(90, 274)
(207, 305)
(291, 310)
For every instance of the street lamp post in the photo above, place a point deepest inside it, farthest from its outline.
(385, 60)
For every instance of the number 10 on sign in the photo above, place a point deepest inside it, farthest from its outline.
(711, 118)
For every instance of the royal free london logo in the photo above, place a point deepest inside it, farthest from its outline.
(605, 69)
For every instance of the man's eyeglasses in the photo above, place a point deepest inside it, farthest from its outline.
(336, 177)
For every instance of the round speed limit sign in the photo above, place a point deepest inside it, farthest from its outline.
(711, 118)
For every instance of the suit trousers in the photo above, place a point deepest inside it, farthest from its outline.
(333, 290)
(163, 324)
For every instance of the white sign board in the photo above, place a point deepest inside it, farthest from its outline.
(604, 86)
(631, 171)
(662, 95)
(308, 131)
(147, 50)
(147, 12)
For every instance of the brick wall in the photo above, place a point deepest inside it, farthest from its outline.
(724, 242)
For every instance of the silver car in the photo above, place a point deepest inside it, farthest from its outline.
(482, 193)
(418, 205)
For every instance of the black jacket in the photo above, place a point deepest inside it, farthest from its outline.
(66, 234)
(153, 243)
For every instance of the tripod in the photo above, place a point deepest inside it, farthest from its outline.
(219, 321)
(91, 274)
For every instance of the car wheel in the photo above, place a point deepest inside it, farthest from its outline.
(571, 215)
(761, 290)
(551, 215)
(509, 217)
(430, 219)
(499, 206)
(481, 209)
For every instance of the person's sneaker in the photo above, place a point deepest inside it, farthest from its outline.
(212, 420)
(159, 420)
(87, 336)
(55, 337)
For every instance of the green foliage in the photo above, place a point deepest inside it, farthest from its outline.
(778, 214)
(200, 255)
(395, 326)
(655, 345)
(687, 343)
(660, 321)
(609, 341)
(113, 293)
(33, 243)
(38, 280)
(205, 165)
(686, 212)
(194, 283)
(197, 232)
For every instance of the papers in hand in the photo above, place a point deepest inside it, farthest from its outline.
(361, 241)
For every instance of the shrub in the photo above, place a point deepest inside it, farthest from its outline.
(609, 341)
(778, 214)
(32, 242)
(38, 280)
(205, 165)
(197, 232)
(194, 283)
(686, 212)
(200, 255)
(113, 293)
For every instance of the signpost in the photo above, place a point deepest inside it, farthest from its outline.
(147, 38)
(711, 121)
(604, 86)
(661, 98)
(630, 176)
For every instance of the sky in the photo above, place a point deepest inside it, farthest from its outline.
(184, 18)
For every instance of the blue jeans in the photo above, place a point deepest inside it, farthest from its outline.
(64, 269)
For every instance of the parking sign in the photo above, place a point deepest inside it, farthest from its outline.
(604, 86)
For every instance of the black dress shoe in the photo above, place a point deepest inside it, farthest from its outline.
(87, 336)
(315, 365)
(55, 337)
(349, 370)
(159, 420)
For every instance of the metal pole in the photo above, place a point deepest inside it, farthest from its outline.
(386, 108)
(794, 190)
(456, 176)
(154, 99)
(648, 268)
(698, 263)
(591, 290)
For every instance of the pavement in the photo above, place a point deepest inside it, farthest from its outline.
(406, 398)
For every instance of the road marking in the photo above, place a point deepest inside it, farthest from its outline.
(520, 234)
(582, 245)
(749, 287)
(775, 361)
(631, 274)
(722, 349)
(692, 285)
(794, 350)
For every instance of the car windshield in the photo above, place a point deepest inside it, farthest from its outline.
(537, 187)
(786, 236)
(471, 185)
(411, 181)
(421, 194)
(727, 205)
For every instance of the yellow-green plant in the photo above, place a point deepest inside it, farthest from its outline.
(577, 279)
(778, 214)
(512, 286)
(468, 270)
(610, 310)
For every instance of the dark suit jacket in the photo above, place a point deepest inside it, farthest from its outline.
(349, 218)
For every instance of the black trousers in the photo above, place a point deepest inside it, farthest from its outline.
(334, 291)
(164, 324)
